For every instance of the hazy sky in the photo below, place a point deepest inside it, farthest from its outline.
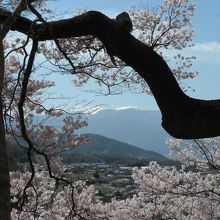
(206, 22)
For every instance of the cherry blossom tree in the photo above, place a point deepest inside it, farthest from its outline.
(21, 98)
(164, 193)
(93, 43)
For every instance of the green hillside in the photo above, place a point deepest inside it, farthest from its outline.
(102, 149)
(99, 149)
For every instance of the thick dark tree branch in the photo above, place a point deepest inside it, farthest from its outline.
(182, 116)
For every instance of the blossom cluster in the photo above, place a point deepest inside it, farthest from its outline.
(164, 194)
(166, 27)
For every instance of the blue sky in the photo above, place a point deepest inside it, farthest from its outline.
(206, 22)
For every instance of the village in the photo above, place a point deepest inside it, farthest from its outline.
(110, 180)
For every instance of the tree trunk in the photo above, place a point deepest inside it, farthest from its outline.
(4, 171)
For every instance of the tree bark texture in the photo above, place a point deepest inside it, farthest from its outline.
(5, 201)
(182, 116)
(4, 172)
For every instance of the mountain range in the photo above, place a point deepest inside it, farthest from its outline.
(141, 128)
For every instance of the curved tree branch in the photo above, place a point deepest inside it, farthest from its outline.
(182, 116)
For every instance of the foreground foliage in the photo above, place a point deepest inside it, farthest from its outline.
(164, 193)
